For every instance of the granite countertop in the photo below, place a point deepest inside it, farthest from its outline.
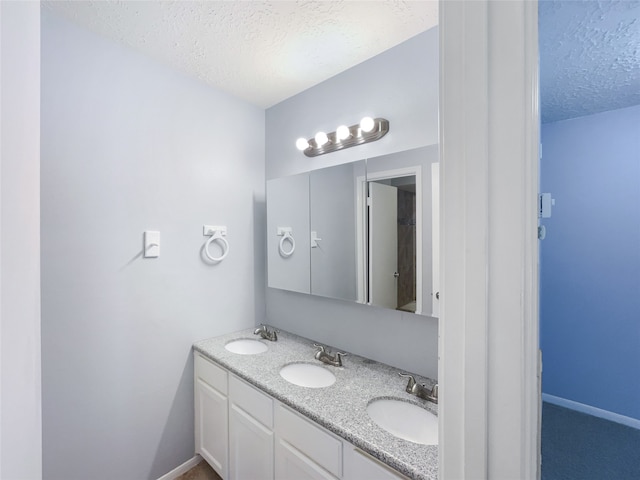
(341, 407)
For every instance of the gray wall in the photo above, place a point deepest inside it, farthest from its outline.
(401, 85)
(128, 146)
(20, 400)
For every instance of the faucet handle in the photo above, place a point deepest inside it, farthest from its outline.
(434, 391)
(411, 383)
(339, 356)
(321, 348)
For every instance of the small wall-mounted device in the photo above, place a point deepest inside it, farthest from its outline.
(545, 202)
(151, 244)
(314, 239)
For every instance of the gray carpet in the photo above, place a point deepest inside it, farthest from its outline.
(576, 446)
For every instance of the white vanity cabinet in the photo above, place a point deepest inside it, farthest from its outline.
(359, 465)
(245, 434)
(211, 418)
(304, 450)
(250, 432)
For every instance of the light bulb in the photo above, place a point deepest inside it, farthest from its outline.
(367, 124)
(321, 139)
(342, 133)
(302, 144)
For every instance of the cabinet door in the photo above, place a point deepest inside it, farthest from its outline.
(250, 447)
(361, 466)
(211, 426)
(291, 464)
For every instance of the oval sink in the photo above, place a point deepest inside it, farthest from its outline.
(405, 420)
(246, 346)
(307, 375)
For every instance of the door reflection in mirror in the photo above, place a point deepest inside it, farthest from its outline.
(392, 242)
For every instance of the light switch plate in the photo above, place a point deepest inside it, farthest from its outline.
(151, 244)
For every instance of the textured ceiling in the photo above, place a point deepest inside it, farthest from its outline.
(267, 51)
(261, 51)
(589, 57)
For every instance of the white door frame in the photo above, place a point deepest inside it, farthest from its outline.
(488, 330)
(361, 238)
(435, 240)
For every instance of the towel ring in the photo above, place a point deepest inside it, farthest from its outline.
(225, 247)
(283, 252)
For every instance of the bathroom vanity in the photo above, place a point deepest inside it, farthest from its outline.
(253, 423)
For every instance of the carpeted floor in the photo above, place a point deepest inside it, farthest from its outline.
(202, 471)
(576, 446)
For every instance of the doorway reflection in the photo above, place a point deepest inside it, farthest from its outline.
(392, 233)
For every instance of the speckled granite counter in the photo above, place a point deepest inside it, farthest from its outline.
(341, 407)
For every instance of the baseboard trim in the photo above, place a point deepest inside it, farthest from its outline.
(179, 470)
(595, 411)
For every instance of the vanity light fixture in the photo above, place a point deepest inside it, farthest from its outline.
(368, 130)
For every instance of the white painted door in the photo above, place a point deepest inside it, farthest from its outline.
(291, 464)
(211, 427)
(250, 447)
(383, 245)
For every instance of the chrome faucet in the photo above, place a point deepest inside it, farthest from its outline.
(265, 333)
(421, 391)
(325, 356)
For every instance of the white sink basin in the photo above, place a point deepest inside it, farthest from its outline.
(405, 420)
(307, 375)
(246, 346)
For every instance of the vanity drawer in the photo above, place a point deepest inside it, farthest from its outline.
(251, 400)
(320, 446)
(210, 373)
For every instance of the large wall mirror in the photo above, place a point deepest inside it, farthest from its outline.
(360, 231)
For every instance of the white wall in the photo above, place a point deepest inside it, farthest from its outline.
(20, 399)
(400, 85)
(128, 145)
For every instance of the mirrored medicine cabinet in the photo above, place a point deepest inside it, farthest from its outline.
(361, 231)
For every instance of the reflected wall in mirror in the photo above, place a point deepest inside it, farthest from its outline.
(288, 233)
(334, 207)
(362, 231)
(311, 231)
